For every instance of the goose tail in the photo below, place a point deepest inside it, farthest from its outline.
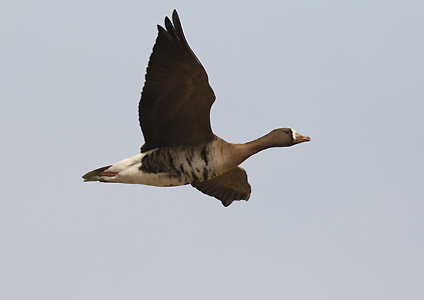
(96, 175)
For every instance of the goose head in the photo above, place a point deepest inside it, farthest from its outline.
(285, 137)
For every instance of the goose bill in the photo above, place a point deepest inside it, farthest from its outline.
(300, 138)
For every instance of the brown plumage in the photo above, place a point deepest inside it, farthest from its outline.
(180, 147)
(177, 98)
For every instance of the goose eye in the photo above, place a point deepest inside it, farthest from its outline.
(287, 131)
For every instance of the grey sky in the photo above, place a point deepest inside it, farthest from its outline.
(341, 217)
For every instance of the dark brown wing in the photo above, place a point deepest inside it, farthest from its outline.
(227, 187)
(177, 98)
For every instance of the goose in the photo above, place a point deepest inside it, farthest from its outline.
(180, 147)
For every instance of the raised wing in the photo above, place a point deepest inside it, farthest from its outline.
(176, 99)
(227, 187)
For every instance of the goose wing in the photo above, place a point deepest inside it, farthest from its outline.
(176, 99)
(227, 187)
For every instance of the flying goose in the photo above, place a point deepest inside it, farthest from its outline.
(180, 147)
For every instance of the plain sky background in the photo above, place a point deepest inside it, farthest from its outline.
(341, 217)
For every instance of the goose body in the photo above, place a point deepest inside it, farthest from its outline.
(170, 166)
(180, 147)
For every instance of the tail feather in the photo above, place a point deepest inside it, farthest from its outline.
(95, 174)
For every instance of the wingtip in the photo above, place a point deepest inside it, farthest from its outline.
(226, 203)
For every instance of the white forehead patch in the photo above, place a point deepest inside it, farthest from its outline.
(294, 132)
